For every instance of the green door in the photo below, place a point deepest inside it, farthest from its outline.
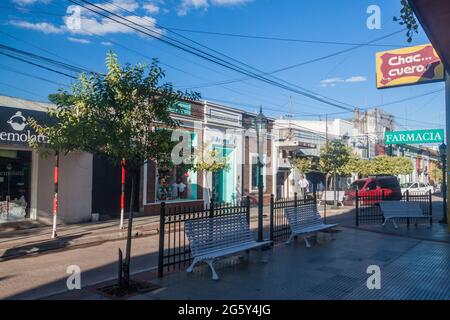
(223, 181)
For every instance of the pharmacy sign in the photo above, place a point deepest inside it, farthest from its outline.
(414, 136)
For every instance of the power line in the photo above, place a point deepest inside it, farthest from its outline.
(200, 53)
(38, 65)
(225, 34)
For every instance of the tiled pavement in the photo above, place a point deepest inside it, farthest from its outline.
(332, 269)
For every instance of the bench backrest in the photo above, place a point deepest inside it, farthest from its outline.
(330, 195)
(303, 216)
(215, 233)
(401, 208)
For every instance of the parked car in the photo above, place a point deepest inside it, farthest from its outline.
(417, 187)
(371, 189)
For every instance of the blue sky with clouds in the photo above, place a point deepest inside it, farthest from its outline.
(44, 27)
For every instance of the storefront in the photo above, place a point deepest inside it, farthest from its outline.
(179, 184)
(26, 175)
(224, 134)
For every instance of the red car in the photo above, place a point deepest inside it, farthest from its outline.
(371, 189)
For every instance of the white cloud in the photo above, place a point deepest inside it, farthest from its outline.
(151, 8)
(356, 79)
(78, 40)
(229, 2)
(29, 2)
(187, 5)
(332, 82)
(43, 27)
(92, 25)
(106, 43)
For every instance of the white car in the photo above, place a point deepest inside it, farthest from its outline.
(417, 187)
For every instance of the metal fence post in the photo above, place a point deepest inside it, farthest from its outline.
(272, 200)
(211, 209)
(162, 218)
(407, 199)
(430, 203)
(357, 208)
(295, 199)
(382, 198)
(248, 210)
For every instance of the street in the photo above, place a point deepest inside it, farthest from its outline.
(45, 274)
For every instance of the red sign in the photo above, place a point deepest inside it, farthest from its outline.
(408, 66)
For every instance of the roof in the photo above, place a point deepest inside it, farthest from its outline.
(434, 16)
(12, 102)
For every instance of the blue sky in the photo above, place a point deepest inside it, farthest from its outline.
(38, 26)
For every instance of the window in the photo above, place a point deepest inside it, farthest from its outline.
(371, 186)
(177, 182)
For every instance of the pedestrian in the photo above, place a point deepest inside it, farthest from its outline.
(303, 184)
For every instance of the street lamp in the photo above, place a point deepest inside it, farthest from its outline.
(443, 155)
(261, 126)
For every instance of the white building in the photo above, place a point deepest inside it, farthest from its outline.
(26, 175)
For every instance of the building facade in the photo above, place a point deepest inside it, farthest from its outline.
(26, 174)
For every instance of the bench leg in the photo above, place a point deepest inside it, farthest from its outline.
(306, 242)
(191, 267)
(211, 266)
(291, 237)
(395, 224)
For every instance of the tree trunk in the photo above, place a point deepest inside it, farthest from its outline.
(126, 270)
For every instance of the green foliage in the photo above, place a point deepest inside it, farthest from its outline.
(305, 164)
(212, 161)
(407, 19)
(123, 114)
(383, 165)
(335, 155)
(436, 174)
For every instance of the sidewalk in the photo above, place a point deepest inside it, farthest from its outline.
(331, 269)
(36, 240)
(23, 242)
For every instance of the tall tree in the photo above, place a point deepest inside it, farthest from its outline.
(123, 114)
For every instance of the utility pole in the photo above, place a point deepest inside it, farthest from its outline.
(326, 180)
(447, 122)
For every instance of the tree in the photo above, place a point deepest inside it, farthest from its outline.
(381, 165)
(123, 114)
(304, 164)
(407, 19)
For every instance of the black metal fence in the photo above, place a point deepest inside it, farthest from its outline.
(279, 226)
(367, 206)
(174, 251)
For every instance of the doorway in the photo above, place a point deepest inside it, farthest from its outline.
(15, 184)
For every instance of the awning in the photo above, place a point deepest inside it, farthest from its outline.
(434, 16)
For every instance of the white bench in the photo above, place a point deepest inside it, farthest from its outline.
(329, 197)
(215, 237)
(305, 220)
(394, 210)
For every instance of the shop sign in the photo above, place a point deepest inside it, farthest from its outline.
(414, 136)
(182, 108)
(14, 127)
(407, 66)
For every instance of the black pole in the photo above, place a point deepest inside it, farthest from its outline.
(162, 219)
(126, 266)
(444, 190)
(272, 203)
